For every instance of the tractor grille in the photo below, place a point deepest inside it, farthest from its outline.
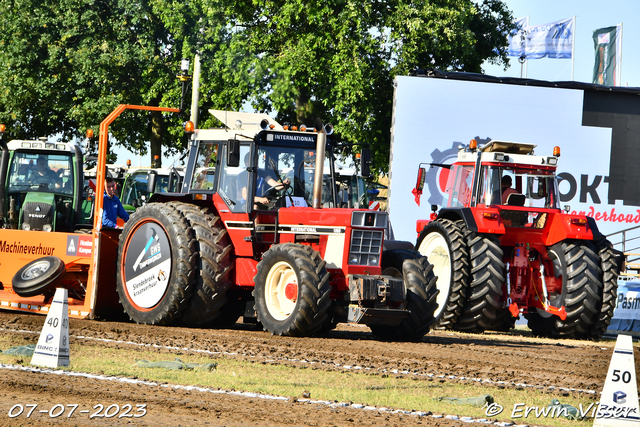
(365, 247)
(36, 215)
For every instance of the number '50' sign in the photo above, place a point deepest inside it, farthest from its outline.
(626, 376)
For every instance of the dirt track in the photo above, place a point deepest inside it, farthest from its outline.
(516, 360)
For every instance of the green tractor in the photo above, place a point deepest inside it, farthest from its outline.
(41, 186)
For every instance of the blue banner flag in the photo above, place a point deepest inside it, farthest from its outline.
(518, 37)
(554, 40)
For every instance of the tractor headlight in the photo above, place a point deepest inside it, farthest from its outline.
(373, 259)
(354, 259)
(46, 227)
(26, 226)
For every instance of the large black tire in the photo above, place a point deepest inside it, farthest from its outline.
(484, 304)
(610, 273)
(421, 290)
(443, 243)
(301, 267)
(38, 276)
(582, 290)
(160, 291)
(231, 311)
(214, 265)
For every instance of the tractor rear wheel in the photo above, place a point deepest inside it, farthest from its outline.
(157, 265)
(422, 294)
(484, 305)
(38, 276)
(292, 290)
(579, 266)
(610, 274)
(443, 243)
(214, 265)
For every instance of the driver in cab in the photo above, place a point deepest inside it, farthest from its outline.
(43, 175)
(265, 182)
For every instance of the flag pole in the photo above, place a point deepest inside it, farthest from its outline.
(620, 62)
(573, 46)
(526, 63)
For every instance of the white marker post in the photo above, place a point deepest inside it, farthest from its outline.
(52, 350)
(619, 401)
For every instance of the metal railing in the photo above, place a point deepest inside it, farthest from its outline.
(628, 241)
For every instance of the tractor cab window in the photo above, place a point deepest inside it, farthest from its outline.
(234, 179)
(47, 172)
(459, 186)
(135, 190)
(283, 177)
(518, 187)
(206, 164)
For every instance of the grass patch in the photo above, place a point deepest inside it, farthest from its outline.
(392, 391)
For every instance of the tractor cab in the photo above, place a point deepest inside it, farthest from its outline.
(42, 186)
(507, 176)
(254, 170)
(140, 184)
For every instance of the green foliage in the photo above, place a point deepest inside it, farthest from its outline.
(66, 64)
(337, 59)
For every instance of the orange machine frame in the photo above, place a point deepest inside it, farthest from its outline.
(21, 247)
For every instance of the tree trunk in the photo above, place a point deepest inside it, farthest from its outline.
(157, 131)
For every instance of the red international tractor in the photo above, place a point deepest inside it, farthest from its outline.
(253, 233)
(501, 246)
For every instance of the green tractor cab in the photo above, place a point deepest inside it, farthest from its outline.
(140, 184)
(41, 185)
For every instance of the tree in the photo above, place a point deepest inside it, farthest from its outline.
(65, 65)
(337, 59)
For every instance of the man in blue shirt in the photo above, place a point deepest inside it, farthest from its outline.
(112, 208)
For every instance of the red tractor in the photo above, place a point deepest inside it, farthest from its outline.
(501, 246)
(253, 233)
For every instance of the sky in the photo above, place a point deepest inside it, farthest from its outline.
(590, 16)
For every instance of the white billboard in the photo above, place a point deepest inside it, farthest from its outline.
(598, 133)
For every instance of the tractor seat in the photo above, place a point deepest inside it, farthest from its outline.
(515, 199)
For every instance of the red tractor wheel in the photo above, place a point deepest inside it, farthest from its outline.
(610, 272)
(157, 261)
(443, 243)
(292, 290)
(582, 289)
(214, 266)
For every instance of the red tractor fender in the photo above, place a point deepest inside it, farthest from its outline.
(566, 226)
(478, 219)
(421, 224)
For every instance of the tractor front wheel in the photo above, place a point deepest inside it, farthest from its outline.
(443, 243)
(157, 262)
(292, 290)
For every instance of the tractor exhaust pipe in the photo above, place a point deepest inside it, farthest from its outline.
(195, 91)
(317, 179)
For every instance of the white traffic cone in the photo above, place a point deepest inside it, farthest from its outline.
(52, 350)
(619, 401)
